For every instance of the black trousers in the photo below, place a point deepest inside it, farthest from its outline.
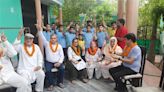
(65, 55)
(74, 73)
(117, 73)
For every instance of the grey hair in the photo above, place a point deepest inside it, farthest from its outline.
(53, 34)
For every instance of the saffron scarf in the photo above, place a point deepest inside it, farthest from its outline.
(127, 49)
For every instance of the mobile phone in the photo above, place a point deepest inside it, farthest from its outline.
(79, 60)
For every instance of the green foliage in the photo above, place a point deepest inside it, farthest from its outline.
(72, 9)
(147, 11)
(106, 9)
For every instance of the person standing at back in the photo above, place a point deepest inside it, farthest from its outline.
(121, 32)
(48, 32)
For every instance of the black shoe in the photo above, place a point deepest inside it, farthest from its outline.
(116, 88)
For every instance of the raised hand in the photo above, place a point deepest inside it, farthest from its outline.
(71, 23)
(20, 33)
(3, 37)
(38, 27)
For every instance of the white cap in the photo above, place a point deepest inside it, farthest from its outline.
(29, 35)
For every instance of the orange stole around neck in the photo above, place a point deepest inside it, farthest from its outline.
(52, 49)
(92, 51)
(33, 50)
(112, 50)
(127, 49)
(76, 50)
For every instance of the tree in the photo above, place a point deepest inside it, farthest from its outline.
(156, 13)
(151, 12)
(72, 9)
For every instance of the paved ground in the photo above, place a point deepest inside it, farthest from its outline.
(151, 75)
(99, 86)
(150, 83)
(92, 86)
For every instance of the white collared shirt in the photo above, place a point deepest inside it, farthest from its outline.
(51, 56)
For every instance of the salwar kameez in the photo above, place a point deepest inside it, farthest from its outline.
(109, 52)
(93, 64)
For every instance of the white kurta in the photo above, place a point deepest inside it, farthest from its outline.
(52, 57)
(105, 68)
(7, 73)
(27, 64)
(93, 64)
(72, 56)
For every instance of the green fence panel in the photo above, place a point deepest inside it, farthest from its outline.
(146, 43)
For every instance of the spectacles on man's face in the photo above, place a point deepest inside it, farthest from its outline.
(54, 38)
(28, 38)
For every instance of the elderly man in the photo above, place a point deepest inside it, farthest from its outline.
(7, 73)
(30, 60)
(54, 60)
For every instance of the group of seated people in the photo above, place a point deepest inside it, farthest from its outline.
(82, 59)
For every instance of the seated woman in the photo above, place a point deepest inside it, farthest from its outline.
(93, 57)
(110, 51)
(76, 66)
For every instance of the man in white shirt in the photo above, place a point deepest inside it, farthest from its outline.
(30, 60)
(54, 60)
(7, 73)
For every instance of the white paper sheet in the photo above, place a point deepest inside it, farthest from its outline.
(81, 65)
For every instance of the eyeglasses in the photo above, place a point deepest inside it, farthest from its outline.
(28, 38)
(53, 38)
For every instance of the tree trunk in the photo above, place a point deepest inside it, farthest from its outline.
(151, 53)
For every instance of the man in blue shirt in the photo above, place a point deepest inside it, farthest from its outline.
(131, 62)
(89, 22)
(102, 36)
(54, 27)
(70, 35)
(62, 39)
(47, 33)
(88, 37)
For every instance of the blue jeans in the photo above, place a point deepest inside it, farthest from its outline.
(54, 78)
